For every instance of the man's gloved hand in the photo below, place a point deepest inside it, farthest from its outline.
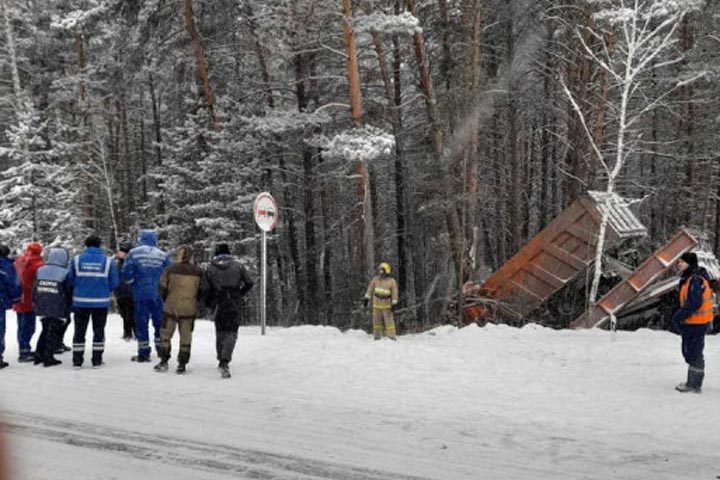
(365, 302)
(394, 307)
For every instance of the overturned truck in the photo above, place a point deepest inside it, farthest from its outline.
(547, 281)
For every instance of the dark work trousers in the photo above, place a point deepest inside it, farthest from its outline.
(126, 309)
(225, 344)
(185, 325)
(47, 342)
(3, 319)
(82, 318)
(60, 339)
(693, 344)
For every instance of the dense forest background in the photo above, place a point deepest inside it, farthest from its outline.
(436, 135)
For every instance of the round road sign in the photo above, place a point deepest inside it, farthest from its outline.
(266, 211)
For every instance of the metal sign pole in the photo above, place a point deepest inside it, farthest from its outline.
(265, 211)
(263, 283)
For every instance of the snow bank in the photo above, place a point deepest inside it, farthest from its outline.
(315, 402)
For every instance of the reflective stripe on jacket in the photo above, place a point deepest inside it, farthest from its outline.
(383, 291)
(93, 276)
(704, 314)
(143, 267)
(52, 294)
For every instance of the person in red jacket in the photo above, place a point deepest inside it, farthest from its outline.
(26, 267)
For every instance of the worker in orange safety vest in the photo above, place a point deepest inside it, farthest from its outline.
(693, 319)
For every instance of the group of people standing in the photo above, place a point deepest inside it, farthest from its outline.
(148, 286)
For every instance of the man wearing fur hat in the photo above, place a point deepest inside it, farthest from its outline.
(179, 288)
(693, 318)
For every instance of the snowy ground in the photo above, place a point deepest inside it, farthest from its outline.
(314, 403)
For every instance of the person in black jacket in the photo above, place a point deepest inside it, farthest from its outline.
(123, 296)
(225, 285)
(52, 300)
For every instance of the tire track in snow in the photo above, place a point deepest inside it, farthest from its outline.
(191, 454)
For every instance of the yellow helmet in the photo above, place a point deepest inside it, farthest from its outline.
(385, 267)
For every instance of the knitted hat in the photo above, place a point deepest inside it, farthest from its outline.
(34, 248)
(690, 258)
(125, 247)
(4, 250)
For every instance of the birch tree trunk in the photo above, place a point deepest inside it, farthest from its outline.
(107, 185)
(90, 212)
(612, 175)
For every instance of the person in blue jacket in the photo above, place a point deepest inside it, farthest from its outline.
(10, 292)
(93, 276)
(52, 300)
(142, 270)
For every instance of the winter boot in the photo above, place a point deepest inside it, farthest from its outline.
(26, 357)
(695, 378)
(162, 366)
(180, 369)
(51, 363)
(140, 359)
(3, 364)
(224, 370)
(694, 382)
(684, 388)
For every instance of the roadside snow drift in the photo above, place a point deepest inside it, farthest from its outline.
(316, 403)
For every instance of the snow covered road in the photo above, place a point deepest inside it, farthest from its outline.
(211, 460)
(314, 403)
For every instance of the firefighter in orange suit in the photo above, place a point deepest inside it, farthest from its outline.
(383, 292)
(693, 319)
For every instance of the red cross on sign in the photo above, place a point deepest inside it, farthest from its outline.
(265, 211)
